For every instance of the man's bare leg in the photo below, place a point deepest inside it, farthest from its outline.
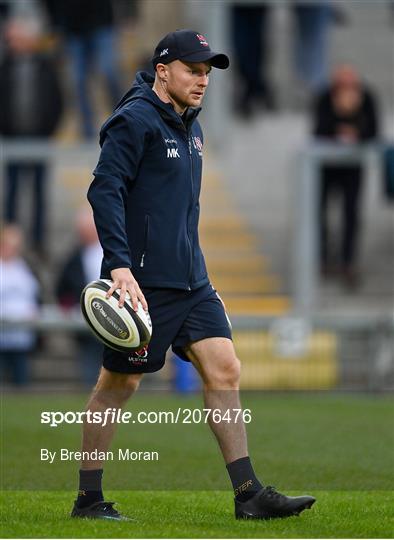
(215, 360)
(220, 371)
(111, 391)
(219, 368)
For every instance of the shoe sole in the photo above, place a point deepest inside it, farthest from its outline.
(246, 515)
(107, 518)
(100, 517)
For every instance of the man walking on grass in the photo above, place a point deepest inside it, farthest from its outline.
(145, 198)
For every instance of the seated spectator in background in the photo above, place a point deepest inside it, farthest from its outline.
(82, 266)
(345, 113)
(31, 106)
(19, 296)
(87, 28)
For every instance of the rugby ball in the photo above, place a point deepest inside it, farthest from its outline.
(122, 329)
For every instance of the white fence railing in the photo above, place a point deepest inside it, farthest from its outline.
(306, 227)
(365, 343)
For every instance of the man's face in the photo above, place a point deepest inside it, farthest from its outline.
(187, 82)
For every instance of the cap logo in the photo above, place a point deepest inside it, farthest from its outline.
(164, 52)
(202, 40)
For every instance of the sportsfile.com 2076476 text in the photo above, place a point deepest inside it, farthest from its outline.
(117, 416)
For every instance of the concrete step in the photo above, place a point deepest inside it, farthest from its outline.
(229, 222)
(243, 304)
(239, 265)
(219, 241)
(236, 267)
(251, 284)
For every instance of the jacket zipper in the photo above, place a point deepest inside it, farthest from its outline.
(142, 261)
(191, 209)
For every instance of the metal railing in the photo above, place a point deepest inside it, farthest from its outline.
(364, 344)
(307, 227)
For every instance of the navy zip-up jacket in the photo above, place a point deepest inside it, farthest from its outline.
(145, 192)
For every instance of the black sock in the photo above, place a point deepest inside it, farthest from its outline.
(244, 480)
(89, 487)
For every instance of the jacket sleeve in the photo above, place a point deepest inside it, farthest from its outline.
(122, 141)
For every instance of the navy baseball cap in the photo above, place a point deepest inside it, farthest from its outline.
(187, 46)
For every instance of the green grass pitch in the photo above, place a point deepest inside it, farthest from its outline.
(339, 448)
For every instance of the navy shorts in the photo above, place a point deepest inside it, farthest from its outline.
(178, 318)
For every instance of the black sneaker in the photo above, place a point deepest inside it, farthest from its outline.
(97, 510)
(269, 503)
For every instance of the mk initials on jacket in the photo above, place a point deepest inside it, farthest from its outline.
(146, 188)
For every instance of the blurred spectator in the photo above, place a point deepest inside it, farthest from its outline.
(88, 30)
(249, 36)
(31, 106)
(313, 22)
(81, 267)
(4, 10)
(346, 114)
(19, 294)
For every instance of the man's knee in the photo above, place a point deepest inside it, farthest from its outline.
(117, 387)
(225, 375)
